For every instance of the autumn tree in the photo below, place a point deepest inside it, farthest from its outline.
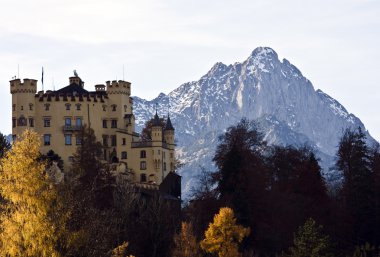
(309, 241)
(32, 224)
(185, 242)
(223, 236)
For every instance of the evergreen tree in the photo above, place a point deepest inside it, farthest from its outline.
(357, 191)
(298, 191)
(309, 241)
(32, 224)
(223, 236)
(241, 177)
(51, 157)
(4, 145)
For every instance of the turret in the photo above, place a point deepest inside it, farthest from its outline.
(169, 133)
(156, 131)
(23, 104)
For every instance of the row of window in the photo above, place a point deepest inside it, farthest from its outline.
(68, 107)
(22, 107)
(22, 121)
(68, 139)
(113, 123)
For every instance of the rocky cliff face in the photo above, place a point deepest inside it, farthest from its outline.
(261, 88)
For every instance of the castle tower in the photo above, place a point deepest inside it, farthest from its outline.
(23, 105)
(169, 139)
(156, 131)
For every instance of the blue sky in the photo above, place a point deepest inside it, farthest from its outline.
(164, 43)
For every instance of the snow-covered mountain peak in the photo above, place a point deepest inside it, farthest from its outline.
(260, 88)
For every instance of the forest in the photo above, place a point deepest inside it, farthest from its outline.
(262, 200)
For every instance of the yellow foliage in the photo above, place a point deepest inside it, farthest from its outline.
(185, 242)
(224, 235)
(27, 225)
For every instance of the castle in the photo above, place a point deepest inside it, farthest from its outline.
(59, 115)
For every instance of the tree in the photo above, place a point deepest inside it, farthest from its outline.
(357, 192)
(51, 157)
(32, 224)
(146, 133)
(309, 241)
(241, 176)
(185, 242)
(224, 235)
(4, 145)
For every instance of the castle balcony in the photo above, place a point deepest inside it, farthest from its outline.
(72, 128)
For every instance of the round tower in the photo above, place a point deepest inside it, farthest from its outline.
(156, 131)
(23, 104)
(169, 133)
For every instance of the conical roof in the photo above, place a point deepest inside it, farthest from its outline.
(156, 120)
(169, 125)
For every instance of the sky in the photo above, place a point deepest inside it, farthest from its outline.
(160, 44)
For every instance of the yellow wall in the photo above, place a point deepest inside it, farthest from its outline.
(92, 113)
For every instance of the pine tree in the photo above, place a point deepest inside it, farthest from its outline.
(357, 192)
(30, 226)
(185, 242)
(309, 241)
(223, 236)
(4, 145)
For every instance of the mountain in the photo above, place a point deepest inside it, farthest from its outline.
(263, 88)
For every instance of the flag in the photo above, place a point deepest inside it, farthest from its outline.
(42, 78)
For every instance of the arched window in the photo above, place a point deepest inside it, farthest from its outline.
(143, 177)
(143, 154)
(21, 121)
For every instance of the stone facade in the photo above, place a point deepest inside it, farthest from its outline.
(59, 115)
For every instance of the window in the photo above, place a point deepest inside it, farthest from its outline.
(13, 122)
(105, 154)
(68, 106)
(143, 154)
(163, 154)
(31, 107)
(68, 139)
(47, 139)
(67, 121)
(113, 140)
(104, 108)
(14, 137)
(113, 123)
(31, 122)
(47, 106)
(125, 108)
(78, 107)
(159, 152)
(104, 123)
(164, 166)
(143, 165)
(14, 107)
(78, 140)
(171, 155)
(124, 155)
(46, 122)
(124, 141)
(21, 121)
(143, 178)
(22, 107)
(114, 107)
(78, 122)
(105, 140)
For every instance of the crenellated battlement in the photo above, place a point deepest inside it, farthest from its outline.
(118, 87)
(27, 86)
